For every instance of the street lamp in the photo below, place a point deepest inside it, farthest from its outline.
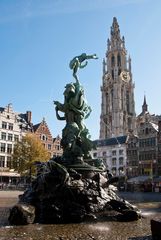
(140, 168)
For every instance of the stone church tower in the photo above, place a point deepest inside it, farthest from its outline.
(118, 107)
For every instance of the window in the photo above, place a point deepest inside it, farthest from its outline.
(4, 125)
(3, 136)
(121, 170)
(121, 151)
(9, 162)
(104, 154)
(118, 60)
(16, 138)
(128, 103)
(95, 154)
(10, 137)
(44, 138)
(9, 148)
(2, 161)
(113, 161)
(3, 147)
(114, 153)
(49, 146)
(146, 131)
(114, 171)
(121, 161)
(113, 61)
(57, 147)
(10, 126)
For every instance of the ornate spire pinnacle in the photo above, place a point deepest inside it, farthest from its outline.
(144, 106)
(129, 61)
(43, 120)
(115, 31)
(116, 41)
(104, 66)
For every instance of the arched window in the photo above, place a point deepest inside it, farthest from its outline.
(107, 103)
(127, 102)
(112, 74)
(122, 98)
(118, 60)
(43, 137)
(112, 98)
(112, 61)
(119, 71)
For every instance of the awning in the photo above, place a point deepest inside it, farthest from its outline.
(9, 174)
(139, 179)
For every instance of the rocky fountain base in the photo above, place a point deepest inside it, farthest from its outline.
(61, 194)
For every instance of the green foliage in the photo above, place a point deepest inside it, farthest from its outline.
(29, 150)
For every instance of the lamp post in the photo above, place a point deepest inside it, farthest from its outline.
(140, 168)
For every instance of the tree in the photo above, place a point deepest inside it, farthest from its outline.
(26, 152)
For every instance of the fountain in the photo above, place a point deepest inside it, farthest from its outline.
(72, 188)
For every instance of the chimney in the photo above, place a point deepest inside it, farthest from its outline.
(29, 116)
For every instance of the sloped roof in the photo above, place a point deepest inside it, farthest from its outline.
(36, 126)
(155, 126)
(111, 141)
(1, 109)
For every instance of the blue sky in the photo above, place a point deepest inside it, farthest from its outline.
(40, 37)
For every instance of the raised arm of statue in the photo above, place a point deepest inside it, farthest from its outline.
(58, 116)
(78, 62)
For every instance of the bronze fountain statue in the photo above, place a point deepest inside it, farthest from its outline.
(75, 136)
(73, 187)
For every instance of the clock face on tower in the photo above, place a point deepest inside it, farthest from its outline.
(125, 76)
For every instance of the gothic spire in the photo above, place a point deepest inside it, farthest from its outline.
(144, 106)
(116, 41)
(115, 31)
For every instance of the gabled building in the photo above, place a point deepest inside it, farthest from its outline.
(57, 149)
(53, 145)
(132, 169)
(146, 116)
(13, 126)
(148, 148)
(143, 148)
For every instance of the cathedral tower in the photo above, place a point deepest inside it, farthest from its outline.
(118, 106)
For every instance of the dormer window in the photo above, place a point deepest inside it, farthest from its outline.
(43, 137)
(146, 131)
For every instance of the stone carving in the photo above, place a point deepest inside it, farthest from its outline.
(74, 187)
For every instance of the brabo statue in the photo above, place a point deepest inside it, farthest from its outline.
(73, 187)
(75, 136)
